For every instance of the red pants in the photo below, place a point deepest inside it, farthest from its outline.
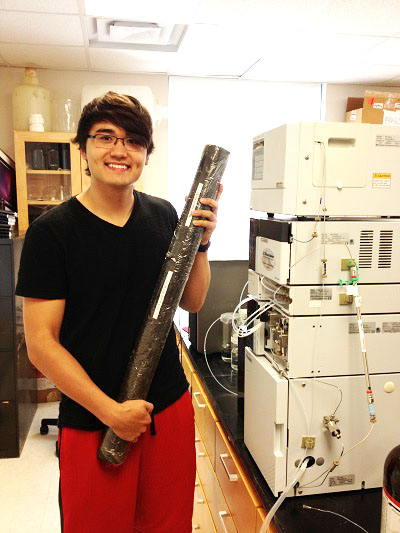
(151, 492)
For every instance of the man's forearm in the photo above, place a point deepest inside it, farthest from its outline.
(197, 285)
(57, 364)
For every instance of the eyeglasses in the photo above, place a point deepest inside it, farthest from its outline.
(102, 140)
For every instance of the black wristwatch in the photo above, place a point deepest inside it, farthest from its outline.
(204, 247)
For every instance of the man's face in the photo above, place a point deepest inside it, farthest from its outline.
(114, 165)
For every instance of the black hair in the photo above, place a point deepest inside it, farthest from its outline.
(122, 110)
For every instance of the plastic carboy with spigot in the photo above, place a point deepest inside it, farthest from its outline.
(28, 99)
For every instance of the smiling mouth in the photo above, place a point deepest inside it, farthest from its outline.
(117, 166)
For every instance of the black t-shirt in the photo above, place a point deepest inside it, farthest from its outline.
(107, 275)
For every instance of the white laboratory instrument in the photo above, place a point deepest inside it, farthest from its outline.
(277, 412)
(331, 168)
(322, 373)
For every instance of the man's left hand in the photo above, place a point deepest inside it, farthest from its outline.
(208, 217)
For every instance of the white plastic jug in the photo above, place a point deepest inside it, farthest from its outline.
(30, 99)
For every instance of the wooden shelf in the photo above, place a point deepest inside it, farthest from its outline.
(45, 202)
(27, 176)
(45, 136)
(48, 172)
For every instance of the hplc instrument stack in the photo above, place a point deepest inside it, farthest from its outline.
(322, 375)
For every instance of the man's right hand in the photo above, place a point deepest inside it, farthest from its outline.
(131, 418)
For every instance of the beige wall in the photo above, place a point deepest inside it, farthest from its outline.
(155, 177)
(69, 84)
(337, 94)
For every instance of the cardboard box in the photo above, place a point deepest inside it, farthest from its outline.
(355, 115)
(377, 108)
(354, 103)
(354, 109)
(46, 390)
(381, 108)
(48, 395)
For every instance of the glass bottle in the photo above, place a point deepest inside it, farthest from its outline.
(226, 319)
(390, 522)
(234, 352)
(235, 342)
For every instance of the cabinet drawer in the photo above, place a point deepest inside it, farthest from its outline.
(241, 498)
(202, 520)
(8, 430)
(215, 499)
(6, 324)
(6, 277)
(202, 458)
(205, 418)
(7, 376)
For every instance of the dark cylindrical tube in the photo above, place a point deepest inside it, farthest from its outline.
(166, 297)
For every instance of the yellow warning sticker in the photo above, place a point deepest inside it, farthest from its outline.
(381, 180)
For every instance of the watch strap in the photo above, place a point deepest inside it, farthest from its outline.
(204, 247)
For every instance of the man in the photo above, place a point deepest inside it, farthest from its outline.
(88, 271)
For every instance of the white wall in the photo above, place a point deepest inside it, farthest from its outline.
(69, 84)
(337, 94)
(229, 113)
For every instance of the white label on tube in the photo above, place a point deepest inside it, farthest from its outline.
(362, 338)
(194, 203)
(162, 294)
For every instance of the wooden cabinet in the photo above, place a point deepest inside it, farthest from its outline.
(232, 501)
(202, 521)
(188, 369)
(261, 515)
(215, 498)
(205, 417)
(48, 169)
(239, 494)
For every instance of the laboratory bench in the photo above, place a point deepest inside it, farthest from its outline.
(231, 494)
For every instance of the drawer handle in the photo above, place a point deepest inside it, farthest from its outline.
(197, 439)
(201, 454)
(201, 405)
(199, 500)
(221, 515)
(195, 526)
(232, 477)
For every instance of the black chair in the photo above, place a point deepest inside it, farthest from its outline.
(44, 429)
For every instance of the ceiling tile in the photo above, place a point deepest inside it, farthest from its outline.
(173, 11)
(304, 61)
(208, 50)
(386, 52)
(363, 73)
(360, 17)
(329, 72)
(41, 6)
(304, 47)
(129, 60)
(41, 56)
(282, 14)
(40, 28)
(355, 17)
